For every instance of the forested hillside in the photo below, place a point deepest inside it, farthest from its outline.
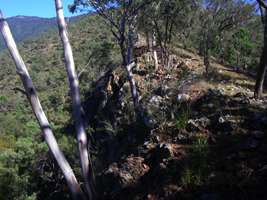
(24, 27)
(19, 132)
(169, 102)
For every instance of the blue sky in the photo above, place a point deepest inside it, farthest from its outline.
(41, 8)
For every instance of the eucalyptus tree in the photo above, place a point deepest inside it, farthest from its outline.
(263, 60)
(121, 17)
(218, 17)
(83, 145)
(145, 26)
(33, 98)
(165, 19)
(86, 165)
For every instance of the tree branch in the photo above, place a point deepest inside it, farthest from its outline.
(81, 136)
(38, 111)
(262, 4)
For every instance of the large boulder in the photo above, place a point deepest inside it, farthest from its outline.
(124, 174)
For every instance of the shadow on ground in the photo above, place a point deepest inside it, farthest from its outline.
(221, 153)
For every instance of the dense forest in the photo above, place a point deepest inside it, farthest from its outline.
(24, 27)
(136, 99)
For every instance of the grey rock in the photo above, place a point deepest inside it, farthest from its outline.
(183, 98)
(221, 120)
(156, 100)
(226, 118)
(216, 91)
(198, 124)
(149, 145)
(149, 121)
(156, 139)
(162, 91)
(181, 137)
(127, 173)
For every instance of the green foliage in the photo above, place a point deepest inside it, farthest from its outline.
(24, 27)
(181, 120)
(3, 100)
(242, 41)
(22, 149)
(196, 169)
(6, 142)
(16, 162)
(24, 156)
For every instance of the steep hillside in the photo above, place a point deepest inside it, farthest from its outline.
(207, 138)
(25, 27)
(19, 133)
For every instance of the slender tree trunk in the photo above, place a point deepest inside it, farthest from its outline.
(151, 45)
(207, 53)
(123, 54)
(207, 61)
(122, 47)
(149, 39)
(128, 68)
(155, 54)
(85, 160)
(39, 113)
(134, 91)
(263, 64)
(261, 74)
(130, 44)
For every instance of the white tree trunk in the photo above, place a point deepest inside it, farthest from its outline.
(85, 160)
(38, 111)
(155, 54)
(134, 91)
(129, 67)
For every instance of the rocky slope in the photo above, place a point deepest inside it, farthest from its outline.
(208, 141)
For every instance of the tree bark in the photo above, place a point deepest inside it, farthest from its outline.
(129, 67)
(50, 139)
(263, 64)
(149, 41)
(207, 52)
(155, 54)
(85, 160)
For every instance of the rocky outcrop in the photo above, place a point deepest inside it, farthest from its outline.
(124, 174)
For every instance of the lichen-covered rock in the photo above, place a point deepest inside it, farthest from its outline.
(198, 124)
(183, 98)
(125, 174)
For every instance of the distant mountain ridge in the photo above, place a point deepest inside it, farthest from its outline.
(28, 27)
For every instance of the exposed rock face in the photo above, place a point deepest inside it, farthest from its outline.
(121, 175)
(183, 98)
(198, 124)
(225, 120)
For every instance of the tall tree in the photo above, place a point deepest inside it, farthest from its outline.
(263, 60)
(217, 17)
(145, 26)
(163, 19)
(85, 160)
(32, 96)
(121, 16)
